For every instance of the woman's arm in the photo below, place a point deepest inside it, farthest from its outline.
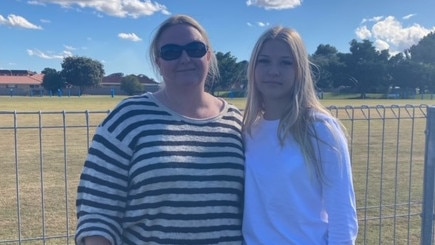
(102, 190)
(96, 240)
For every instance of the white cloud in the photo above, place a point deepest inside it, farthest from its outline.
(373, 19)
(381, 45)
(274, 4)
(258, 23)
(49, 55)
(409, 16)
(390, 33)
(18, 21)
(35, 3)
(129, 36)
(262, 24)
(45, 21)
(118, 8)
(68, 47)
(363, 32)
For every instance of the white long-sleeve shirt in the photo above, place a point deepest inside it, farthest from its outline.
(283, 204)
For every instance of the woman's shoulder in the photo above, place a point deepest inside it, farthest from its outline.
(142, 98)
(233, 108)
(144, 101)
(132, 107)
(230, 108)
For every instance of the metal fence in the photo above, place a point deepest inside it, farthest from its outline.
(42, 154)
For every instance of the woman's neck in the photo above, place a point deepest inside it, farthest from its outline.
(194, 105)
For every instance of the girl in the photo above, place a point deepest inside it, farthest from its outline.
(298, 180)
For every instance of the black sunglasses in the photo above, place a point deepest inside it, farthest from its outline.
(174, 51)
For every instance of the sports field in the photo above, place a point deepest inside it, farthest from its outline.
(44, 141)
(97, 103)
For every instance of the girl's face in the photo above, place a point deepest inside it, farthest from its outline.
(275, 71)
(189, 68)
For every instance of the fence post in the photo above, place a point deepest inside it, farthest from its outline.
(429, 180)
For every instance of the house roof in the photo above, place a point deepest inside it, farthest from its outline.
(35, 79)
(22, 78)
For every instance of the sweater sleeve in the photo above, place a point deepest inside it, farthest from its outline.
(337, 188)
(102, 190)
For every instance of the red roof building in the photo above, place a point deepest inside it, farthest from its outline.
(20, 82)
(23, 82)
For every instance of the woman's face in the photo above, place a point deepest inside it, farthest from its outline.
(275, 71)
(185, 69)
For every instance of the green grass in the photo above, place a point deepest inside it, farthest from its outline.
(98, 103)
(46, 143)
(83, 103)
(338, 101)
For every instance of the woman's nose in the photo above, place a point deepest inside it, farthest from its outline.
(184, 56)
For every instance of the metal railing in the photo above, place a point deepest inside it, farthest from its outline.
(427, 233)
(43, 154)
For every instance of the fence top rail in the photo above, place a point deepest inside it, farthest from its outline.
(408, 106)
(50, 112)
(421, 107)
(365, 112)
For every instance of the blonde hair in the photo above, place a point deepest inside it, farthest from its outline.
(213, 71)
(303, 104)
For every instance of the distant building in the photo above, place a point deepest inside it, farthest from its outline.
(20, 82)
(28, 83)
(114, 80)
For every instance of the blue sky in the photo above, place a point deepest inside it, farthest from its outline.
(35, 34)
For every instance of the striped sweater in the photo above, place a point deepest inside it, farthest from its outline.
(155, 177)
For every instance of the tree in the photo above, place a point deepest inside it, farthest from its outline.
(131, 85)
(403, 71)
(52, 81)
(82, 72)
(327, 65)
(423, 54)
(230, 71)
(241, 77)
(366, 69)
(424, 51)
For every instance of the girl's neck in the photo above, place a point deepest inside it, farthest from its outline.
(273, 110)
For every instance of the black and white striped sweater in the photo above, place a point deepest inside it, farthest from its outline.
(155, 177)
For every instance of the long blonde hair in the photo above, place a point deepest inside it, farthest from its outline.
(303, 104)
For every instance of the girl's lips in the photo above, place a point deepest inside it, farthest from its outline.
(186, 70)
(272, 82)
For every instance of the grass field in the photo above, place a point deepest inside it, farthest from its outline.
(44, 141)
(98, 103)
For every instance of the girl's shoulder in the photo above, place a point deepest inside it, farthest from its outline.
(323, 118)
(322, 121)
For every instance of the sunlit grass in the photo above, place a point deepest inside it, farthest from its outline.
(45, 141)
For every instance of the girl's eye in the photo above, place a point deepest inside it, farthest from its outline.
(263, 61)
(287, 62)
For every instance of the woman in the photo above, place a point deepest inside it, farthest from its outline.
(167, 167)
(298, 182)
